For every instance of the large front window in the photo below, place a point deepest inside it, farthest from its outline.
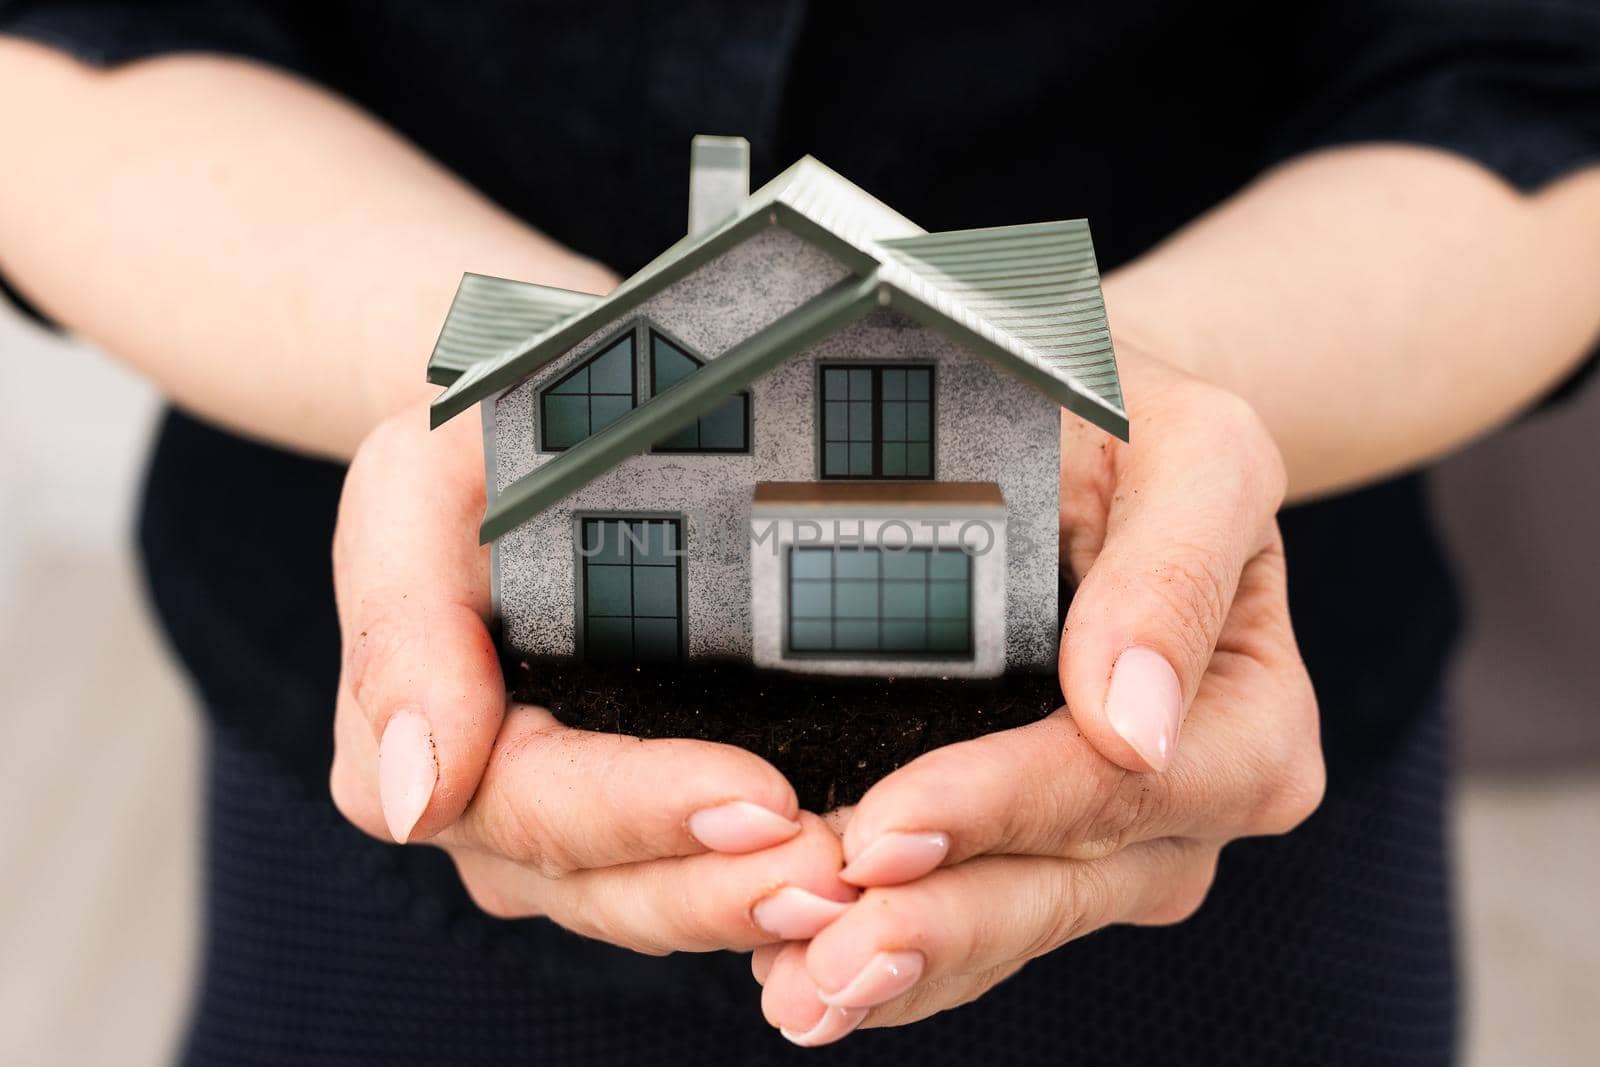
(877, 422)
(864, 601)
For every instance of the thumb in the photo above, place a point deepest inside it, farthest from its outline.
(412, 582)
(1194, 501)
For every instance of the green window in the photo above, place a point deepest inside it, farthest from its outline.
(631, 589)
(877, 422)
(590, 398)
(881, 602)
(726, 428)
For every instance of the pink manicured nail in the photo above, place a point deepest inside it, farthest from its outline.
(897, 857)
(886, 976)
(740, 826)
(407, 771)
(1144, 704)
(795, 914)
(834, 1024)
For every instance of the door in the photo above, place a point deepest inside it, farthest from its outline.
(632, 589)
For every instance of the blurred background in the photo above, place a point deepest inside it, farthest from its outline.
(99, 745)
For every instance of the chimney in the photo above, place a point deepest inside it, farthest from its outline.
(719, 179)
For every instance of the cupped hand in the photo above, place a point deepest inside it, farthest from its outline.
(657, 846)
(981, 856)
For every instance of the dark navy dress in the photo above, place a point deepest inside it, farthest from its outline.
(1332, 945)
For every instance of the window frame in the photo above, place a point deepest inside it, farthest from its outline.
(580, 522)
(651, 332)
(600, 350)
(967, 654)
(877, 369)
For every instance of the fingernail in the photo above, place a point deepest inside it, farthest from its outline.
(795, 914)
(740, 826)
(1144, 704)
(834, 1024)
(897, 857)
(886, 976)
(407, 771)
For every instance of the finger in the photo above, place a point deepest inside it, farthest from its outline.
(561, 800)
(789, 1002)
(1194, 501)
(993, 913)
(412, 586)
(1250, 764)
(761, 960)
(694, 903)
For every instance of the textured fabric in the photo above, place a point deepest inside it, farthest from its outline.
(1329, 946)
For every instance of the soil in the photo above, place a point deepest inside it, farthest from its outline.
(831, 737)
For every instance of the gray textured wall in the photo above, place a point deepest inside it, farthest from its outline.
(986, 422)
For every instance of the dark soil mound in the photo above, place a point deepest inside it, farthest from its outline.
(832, 737)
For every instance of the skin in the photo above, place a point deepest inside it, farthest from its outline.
(1344, 317)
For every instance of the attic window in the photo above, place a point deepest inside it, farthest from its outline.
(590, 398)
(725, 428)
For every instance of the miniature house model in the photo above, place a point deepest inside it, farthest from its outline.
(809, 435)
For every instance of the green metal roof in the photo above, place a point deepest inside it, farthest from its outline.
(1026, 297)
(491, 316)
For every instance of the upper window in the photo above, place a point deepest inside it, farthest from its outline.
(725, 428)
(877, 421)
(590, 398)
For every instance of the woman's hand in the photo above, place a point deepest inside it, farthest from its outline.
(653, 845)
(978, 857)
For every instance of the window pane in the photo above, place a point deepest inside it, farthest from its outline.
(835, 384)
(948, 563)
(861, 459)
(861, 384)
(672, 365)
(904, 636)
(606, 542)
(916, 422)
(912, 564)
(946, 636)
(836, 422)
(607, 593)
(724, 426)
(612, 372)
(654, 542)
(894, 421)
(655, 591)
(811, 600)
(836, 460)
(685, 440)
(894, 385)
(904, 600)
(655, 639)
(947, 600)
(566, 420)
(860, 421)
(857, 562)
(918, 383)
(609, 639)
(918, 463)
(604, 410)
(894, 461)
(811, 635)
(855, 599)
(577, 382)
(811, 562)
(851, 635)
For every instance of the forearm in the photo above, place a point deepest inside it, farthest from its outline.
(272, 257)
(1379, 306)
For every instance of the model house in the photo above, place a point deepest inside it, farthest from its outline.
(809, 435)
